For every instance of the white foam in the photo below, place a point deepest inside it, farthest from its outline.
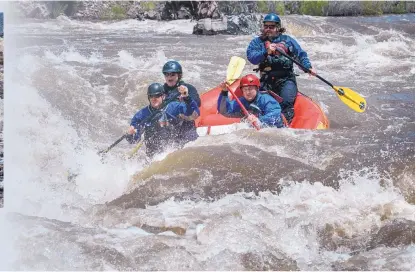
(298, 211)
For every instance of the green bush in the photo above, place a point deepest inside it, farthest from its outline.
(116, 12)
(315, 8)
(399, 8)
(372, 8)
(280, 8)
(262, 7)
(147, 5)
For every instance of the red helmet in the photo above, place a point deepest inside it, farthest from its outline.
(250, 80)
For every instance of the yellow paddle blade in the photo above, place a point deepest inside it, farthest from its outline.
(134, 150)
(351, 98)
(235, 68)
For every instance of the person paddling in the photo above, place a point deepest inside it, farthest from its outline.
(160, 121)
(263, 108)
(276, 70)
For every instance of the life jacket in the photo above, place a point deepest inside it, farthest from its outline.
(159, 131)
(173, 92)
(255, 110)
(275, 65)
(279, 100)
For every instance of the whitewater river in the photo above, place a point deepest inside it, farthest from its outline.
(279, 199)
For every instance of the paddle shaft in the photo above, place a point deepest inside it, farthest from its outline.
(113, 145)
(304, 68)
(339, 91)
(137, 147)
(125, 135)
(243, 108)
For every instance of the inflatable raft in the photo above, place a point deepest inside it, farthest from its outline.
(308, 114)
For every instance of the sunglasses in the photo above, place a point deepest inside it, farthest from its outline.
(169, 74)
(269, 26)
(155, 96)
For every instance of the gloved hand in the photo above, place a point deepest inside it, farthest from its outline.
(282, 47)
(252, 119)
(130, 134)
(129, 138)
(270, 47)
(223, 86)
(273, 48)
(131, 130)
(183, 90)
(312, 71)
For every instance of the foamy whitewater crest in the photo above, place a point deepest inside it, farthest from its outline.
(51, 154)
(300, 210)
(100, 181)
(150, 69)
(73, 55)
(161, 27)
(180, 26)
(62, 24)
(242, 135)
(367, 56)
(97, 26)
(37, 26)
(45, 153)
(192, 72)
(151, 65)
(368, 53)
(241, 38)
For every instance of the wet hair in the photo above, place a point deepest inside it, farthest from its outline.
(281, 30)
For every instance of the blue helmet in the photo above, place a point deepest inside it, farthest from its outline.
(272, 17)
(172, 67)
(155, 89)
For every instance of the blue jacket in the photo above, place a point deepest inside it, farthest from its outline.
(269, 114)
(172, 92)
(161, 126)
(187, 131)
(257, 53)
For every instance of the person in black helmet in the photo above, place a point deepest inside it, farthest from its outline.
(276, 70)
(160, 122)
(174, 84)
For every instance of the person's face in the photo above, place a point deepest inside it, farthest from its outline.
(270, 29)
(156, 100)
(249, 92)
(171, 79)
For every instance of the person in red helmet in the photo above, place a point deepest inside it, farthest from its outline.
(263, 108)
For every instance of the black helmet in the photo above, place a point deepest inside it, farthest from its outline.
(172, 67)
(272, 17)
(155, 89)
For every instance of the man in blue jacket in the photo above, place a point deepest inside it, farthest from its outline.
(263, 109)
(172, 71)
(160, 121)
(276, 70)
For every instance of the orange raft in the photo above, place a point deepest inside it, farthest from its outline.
(308, 114)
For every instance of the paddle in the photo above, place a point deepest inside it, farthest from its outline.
(71, 176)
(125, 135)
(234, 70)
(348, 96)
(134, 150)
(113, 145)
